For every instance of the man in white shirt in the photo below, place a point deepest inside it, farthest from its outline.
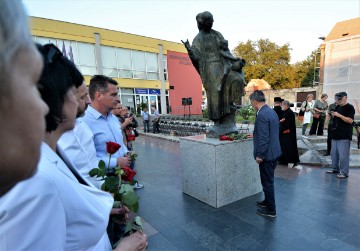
(78, 144)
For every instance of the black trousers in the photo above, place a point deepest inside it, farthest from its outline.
(317, 125)
(267, 169)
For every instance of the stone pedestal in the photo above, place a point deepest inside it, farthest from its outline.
(218, 172)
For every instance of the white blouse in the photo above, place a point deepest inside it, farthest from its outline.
(86, 208)
(308, 114)
(32, 216)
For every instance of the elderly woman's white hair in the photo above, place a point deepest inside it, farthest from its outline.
(14, 35)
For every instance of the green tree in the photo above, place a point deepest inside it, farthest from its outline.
(267, 60)
(304, 70)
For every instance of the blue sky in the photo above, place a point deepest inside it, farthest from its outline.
(298, 23)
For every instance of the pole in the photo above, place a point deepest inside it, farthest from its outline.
(189, 111)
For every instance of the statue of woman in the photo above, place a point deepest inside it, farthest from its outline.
(206, 56)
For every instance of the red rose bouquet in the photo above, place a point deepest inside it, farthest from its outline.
(122, 191)
(235, 136)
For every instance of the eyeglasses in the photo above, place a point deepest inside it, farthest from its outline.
(53, 53)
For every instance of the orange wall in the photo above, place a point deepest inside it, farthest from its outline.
(186, 82)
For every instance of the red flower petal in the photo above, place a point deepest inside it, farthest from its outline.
(112, 147)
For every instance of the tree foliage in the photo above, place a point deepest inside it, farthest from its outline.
(304, 70)
(271, 62)
(267, 60)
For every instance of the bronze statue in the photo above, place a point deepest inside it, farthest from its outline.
(220, 72)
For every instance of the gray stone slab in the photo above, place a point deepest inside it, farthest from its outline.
(218, 172)
(311, 157)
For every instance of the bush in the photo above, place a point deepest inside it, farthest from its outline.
(205, 113)
(247, 111)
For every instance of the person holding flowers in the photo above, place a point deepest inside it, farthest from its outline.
(104, 125)
(59, 82)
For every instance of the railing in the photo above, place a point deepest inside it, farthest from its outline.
(180, 126)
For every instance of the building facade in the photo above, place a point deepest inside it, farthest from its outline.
(149, 71)
(340, 61)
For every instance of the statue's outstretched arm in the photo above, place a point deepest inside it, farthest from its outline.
(228, 55)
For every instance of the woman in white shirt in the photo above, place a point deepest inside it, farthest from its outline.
(85, 209)
(307, 108)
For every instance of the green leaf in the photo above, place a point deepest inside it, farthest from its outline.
(138, 221)
(102, 172)
(131, 200)
(112, 183)
(129, 226)
(102, 164)
(117, 196)
(126, 188)
(116, 203)
(103, 186)
(94, 172)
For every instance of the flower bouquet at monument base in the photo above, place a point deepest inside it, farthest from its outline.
(120, 186)
(235, 136)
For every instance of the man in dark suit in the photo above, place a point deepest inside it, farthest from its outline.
(266, 150)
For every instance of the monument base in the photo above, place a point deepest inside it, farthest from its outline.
(218, 172)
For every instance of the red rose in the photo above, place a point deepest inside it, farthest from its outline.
(112, 147)
(131, 137)
(224, 137)
(129, 174)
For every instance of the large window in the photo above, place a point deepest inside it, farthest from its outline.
(152, 66)
(138, 64)
(87, 62)
(108, 58)
(82, 54)
(124, 63)
(116, 62)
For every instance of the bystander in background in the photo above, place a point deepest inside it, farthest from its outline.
(307, 107)
(342, 126)
(329, 120)
(319, 114)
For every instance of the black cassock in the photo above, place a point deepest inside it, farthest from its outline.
(288, 139)
(279, 111)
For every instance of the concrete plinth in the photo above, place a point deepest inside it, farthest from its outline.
(218, 172)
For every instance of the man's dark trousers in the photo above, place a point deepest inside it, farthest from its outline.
(267, 169)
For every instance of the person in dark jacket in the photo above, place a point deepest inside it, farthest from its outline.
(267, 150)
(277, 107)
(288, 139)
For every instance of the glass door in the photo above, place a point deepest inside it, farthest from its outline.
(153, 102)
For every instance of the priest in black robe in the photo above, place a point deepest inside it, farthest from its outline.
(277, 107)
(288, 139)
